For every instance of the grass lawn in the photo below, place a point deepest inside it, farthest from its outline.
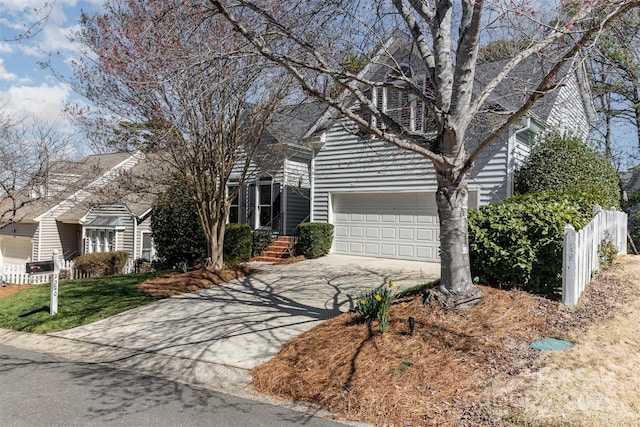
(79, 302)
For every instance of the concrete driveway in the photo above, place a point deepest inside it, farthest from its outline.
(214, 336)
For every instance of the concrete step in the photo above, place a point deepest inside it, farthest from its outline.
(267, 259)
(275, 254)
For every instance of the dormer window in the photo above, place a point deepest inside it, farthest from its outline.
(402, 106)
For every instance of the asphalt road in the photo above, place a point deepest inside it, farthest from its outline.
(42, 390)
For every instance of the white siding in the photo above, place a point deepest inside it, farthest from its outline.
(347, 164)
(489, 173)
(124, 238)
(568, 113)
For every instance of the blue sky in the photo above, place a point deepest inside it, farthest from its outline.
(25, 87)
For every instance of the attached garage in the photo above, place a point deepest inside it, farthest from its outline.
(387, 225)
(15, 250)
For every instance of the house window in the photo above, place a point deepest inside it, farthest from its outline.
(402, 106)
(100, 241)
(234, 210)
(100, 234)
(147, 245)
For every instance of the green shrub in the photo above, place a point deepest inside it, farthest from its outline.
(260, 241)
(520, 242)
(607, 252)
(314, 239)
(176, 229)
(566, 163)
(237, 243)
(101, 264)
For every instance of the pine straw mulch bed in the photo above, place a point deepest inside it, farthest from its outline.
(7, 290)
(179, 283)
(441, 375)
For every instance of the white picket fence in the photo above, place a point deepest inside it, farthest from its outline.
(16, 273)
(580, 254)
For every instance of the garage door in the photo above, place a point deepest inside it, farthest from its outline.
(15, 250)
(401, 225)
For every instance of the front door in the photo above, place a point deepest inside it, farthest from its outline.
(265, 191)
(267, 205)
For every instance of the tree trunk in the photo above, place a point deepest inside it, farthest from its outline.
(215, 258)
(452, 198)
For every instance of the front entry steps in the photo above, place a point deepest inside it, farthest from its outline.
(278, 250)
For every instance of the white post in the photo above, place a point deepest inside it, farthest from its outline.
(569, 271)
(53, 306)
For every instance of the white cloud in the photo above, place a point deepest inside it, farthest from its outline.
(4, 74)
(42, 101)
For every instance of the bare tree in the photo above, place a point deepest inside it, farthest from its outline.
(444, 36)
(30, 153)
(187, 90)
(614, 69)
(36, 25)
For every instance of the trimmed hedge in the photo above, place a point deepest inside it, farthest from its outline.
(101, 264)
(260, 241)
(519, 242)
(237, 243)
(314, 239)
(566, 163)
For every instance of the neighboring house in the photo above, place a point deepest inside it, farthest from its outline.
(103, 203)
(630, 181)
(381, 199)
(72, 218)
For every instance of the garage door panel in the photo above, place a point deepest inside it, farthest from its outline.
(356, 247)
(373, 232)
(342, 246)
(410, 219)
(405, 234)
(388, 233)
(425, 235)
(426, 219)
(372, 249)
(356, 231)
(406, 251)
(389, 225)
(388, 250)
(428, 252)
(341, 231)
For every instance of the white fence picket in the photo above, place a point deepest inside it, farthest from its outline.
(580, 255)
(15, 274)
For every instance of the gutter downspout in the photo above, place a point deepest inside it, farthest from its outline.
(283, 199)
(312, 183)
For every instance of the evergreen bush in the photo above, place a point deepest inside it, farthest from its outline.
(519, 243)
(566, 163)
(176, 229)
(314, 239)
(260, 241)
(237, 243)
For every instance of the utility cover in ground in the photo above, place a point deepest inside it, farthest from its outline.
(550, 344)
